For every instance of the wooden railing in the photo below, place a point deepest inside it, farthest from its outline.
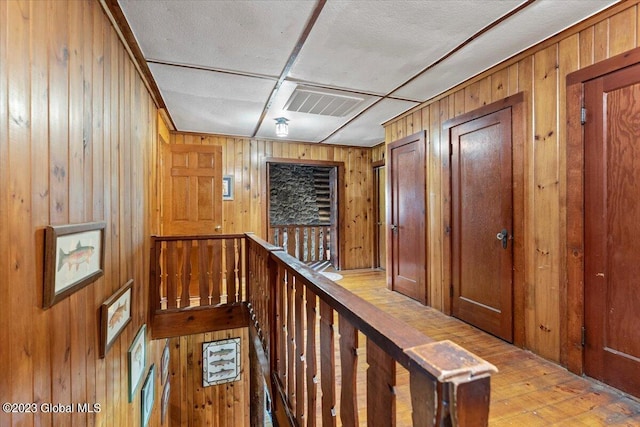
(295, 312)
(307, 243)
(206, 283)
(197, 272)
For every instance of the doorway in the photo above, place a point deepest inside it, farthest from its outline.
(486, 213)
(380, 217)
(612, 246)
(406, 217)
(304, 210)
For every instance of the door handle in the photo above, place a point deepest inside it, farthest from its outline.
(504, 236)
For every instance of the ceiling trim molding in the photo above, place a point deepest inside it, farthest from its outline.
(211, 69)
(116, 16)
(292, 59)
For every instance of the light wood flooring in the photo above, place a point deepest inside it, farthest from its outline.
(528, 390)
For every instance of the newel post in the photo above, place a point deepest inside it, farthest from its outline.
(449, 386)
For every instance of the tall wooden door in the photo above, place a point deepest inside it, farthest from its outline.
(482, 223)
(612, 229)
(192, 189)
(406, 216)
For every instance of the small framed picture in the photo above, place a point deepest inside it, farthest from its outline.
(137, 356)
(227, 187)
(74, 257)
(220, 362)
(164, 365)
(148, 396)
(115, 315)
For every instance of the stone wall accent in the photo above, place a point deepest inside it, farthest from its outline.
(293, 196)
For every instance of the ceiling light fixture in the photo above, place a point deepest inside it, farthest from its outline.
(282, 127)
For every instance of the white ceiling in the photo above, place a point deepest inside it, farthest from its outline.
(230, 66)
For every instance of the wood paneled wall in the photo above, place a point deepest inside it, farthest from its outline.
(245, 159)
(225, 405)
(540, 73)
(76, 132)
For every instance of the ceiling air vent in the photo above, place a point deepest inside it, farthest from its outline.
(323, 102)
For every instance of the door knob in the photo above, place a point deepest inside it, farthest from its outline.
(394, 228)
(504, 236)
(218, 227)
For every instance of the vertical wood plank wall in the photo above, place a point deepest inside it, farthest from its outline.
(244, 158)
(224, 405)
(540, 73)
(76, 133)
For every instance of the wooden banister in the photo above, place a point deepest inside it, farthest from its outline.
(217, 281)
(448, 385)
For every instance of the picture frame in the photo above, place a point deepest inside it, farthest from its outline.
(220, 362)
(227, 187)
(148, 394)
(164, 404)
(137, 355)
(73, 258)
(115, 315)
(164, 363)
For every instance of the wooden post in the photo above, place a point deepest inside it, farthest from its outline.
(464, 378)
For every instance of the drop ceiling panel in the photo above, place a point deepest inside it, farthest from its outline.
(374, 46)
(305, 126)
(205, 101)
(252, 37)
(367, 130)
(523, 30)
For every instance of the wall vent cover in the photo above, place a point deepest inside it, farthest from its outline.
(323, 102)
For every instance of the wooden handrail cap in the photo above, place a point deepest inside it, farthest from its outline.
(448, 362)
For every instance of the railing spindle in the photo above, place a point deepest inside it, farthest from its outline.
(172, 274)
(311, 358)
(205, 273)
(327, 365)
(185, 300)
(230, 271)
(216, 271)
(348, 370)
(381, 381)
(299, 350)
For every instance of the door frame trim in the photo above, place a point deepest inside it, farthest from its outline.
(421, 136)
(518, 107)
(375, 256)
(574, 302)
(341, 201)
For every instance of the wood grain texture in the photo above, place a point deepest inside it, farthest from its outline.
(539, 73)
(191, 404)
(74, 147)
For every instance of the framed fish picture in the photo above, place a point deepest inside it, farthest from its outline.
(115, 315)
(220, 362)
(137, 355)
(73, 258)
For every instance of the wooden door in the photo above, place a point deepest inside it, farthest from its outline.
(406, 215)
(380, 208)
(192, 189)
(482, 208)
(612, 229)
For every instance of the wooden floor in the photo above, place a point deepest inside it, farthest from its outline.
(528, 390)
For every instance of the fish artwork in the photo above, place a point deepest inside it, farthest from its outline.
(118, 314)
(222, 362)
(222, 352)
(75, 257)
(222, 373)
